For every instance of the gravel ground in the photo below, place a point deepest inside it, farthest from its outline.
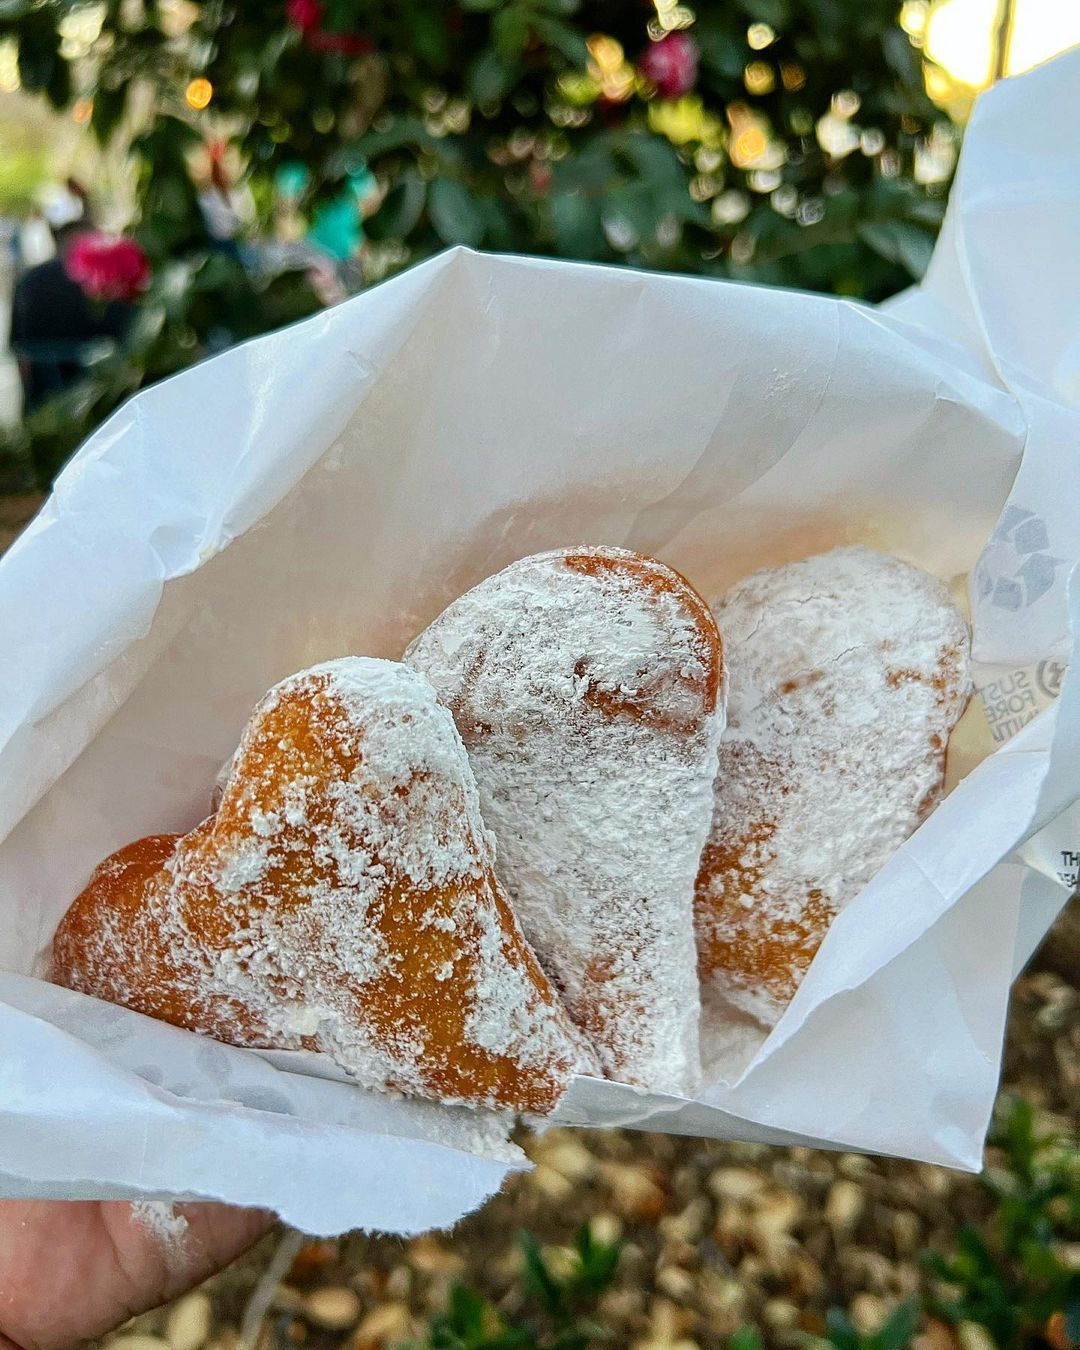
(716, 1234)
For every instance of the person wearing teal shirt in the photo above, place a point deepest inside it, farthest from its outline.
(337, 226)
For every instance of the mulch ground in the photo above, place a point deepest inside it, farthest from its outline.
(716, 1235)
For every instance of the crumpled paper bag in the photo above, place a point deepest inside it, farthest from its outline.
(327, 489)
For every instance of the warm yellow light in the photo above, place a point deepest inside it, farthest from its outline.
(176, 16)
(609, 67)
(913, 15)
(79, 29)
(760, 35)
(961, 36)
(670, 15)
(759, 77)
(9, 66)
(1041, 29)
(198, 93)
(836, 136)
(747, 146)
(685, 119)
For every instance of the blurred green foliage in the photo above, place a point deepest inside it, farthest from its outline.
(783, 149)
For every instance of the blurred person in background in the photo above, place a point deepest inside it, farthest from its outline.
(56, 325)
(226, 208)
(77, 306)
(337, 227)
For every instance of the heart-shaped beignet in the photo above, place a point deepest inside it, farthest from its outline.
(342, 898)
(586, 684)
(848, 672)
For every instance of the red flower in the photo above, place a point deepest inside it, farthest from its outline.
(106, 268)
(671, 64)
(540, 176)
(307, 15)
(343, 44)
(304, 14)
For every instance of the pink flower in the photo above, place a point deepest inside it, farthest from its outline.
(107, 268)
(304, 14)
(671, 64)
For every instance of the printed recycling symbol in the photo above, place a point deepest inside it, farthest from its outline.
(1017, 568)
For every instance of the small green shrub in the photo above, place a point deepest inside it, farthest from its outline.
(559, 1304)
(1015, 1276)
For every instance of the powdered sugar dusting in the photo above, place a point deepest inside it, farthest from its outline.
(343, 899)
(847, 673)
(159, 1218)
(585, 684)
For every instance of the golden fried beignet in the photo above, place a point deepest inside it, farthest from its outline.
(342, 898)
(847, 673)
(586, 684)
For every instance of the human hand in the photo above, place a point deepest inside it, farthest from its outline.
(71, 1270)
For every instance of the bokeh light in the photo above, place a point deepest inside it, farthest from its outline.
(10, 80)
(961, 36)
(609, 67)
(198, 93)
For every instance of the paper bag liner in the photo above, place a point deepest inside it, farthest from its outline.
(326, 490)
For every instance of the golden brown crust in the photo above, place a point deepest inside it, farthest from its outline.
(156, 921)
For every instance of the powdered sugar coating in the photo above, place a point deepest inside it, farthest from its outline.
(847, 673)
(164, 1223)
(341, 899)
(586, 686)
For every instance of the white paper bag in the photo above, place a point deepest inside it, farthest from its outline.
(327, 489)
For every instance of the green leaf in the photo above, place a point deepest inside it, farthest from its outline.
(38, 56)
(430, 37)
(654, 158)
(901, 56)
(746, 1338)
(454, 214)
(1072, 1320)
(496, 223)
(565, 38)
(721, 50)
(481, 4)
(900, 242)
(576, 225)
(899, 1327)
(468, 1311)
(538, 1278)
(593, 168)
(510, 32)
(840, 1331)
(109, 105)
(402, 131)
(599, 1261)
(492, 76)
(401, 208)
(776, 13)
(13, 9)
